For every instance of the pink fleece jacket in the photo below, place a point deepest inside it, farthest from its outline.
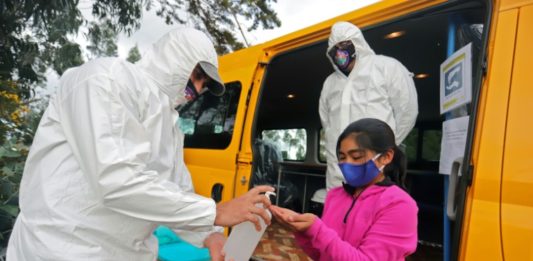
(380, 224)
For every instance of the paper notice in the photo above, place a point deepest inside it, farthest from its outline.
(453, 142)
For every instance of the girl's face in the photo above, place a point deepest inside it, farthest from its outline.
(350, 152)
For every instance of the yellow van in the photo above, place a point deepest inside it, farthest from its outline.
(273, 91)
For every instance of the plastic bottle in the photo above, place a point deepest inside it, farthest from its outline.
(244, 238)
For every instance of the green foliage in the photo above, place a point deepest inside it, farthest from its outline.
(32, 34)
(67, 56)
(12, 156)
(36, 35)
(291, 142)
(431, 145)
(322, 146)
(134, 55)
(19, 123)
(411, 145)
(219, 17)
(102, 39)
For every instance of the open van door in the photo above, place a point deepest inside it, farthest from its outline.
(213, 129)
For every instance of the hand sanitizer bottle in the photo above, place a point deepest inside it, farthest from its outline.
(244, 238)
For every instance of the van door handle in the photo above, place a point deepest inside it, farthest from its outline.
(451, 207)
(216, 192)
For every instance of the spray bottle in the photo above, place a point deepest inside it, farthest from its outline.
(244, 238)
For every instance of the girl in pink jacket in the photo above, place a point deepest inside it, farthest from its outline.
(370, 217)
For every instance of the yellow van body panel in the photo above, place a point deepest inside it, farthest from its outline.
(510, 4)
(481, 239)
(244, 167)
(517, 176)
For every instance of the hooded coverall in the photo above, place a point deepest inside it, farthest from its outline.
(106, 165)
(377, 87)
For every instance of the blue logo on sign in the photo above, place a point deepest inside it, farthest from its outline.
(453, 79)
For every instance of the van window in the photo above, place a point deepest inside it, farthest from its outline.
(208, 121)
(410, 144)
(322, 147)
(291, 142)
(431, 145)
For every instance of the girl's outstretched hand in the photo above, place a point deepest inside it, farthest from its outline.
(302, 222)
(292, 220)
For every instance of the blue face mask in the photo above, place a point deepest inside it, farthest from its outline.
(359, 175)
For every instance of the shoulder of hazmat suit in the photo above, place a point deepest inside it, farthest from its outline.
(377, 87)
(107, 160)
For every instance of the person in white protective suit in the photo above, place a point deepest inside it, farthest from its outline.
(106, 165)
(363, 85)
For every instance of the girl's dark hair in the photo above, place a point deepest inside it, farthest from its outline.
(376, 135)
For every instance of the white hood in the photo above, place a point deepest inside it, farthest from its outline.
(344, 31)
(171, 60)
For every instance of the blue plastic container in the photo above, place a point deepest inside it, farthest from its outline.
(172, 248)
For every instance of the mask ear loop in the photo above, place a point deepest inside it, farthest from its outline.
(375, 158)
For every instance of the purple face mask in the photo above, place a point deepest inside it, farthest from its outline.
(342, 54)
(190, 92)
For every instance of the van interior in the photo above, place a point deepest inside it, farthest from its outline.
(287, 129)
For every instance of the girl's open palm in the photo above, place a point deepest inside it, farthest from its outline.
(291, 219)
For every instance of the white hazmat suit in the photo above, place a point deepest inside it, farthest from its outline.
(106, 165)
(377, 87)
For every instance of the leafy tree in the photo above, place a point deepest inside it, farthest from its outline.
(32, 35)
(431, 145)
(18, 124)
(221, 11)
(36, 35)
(411, 145)
(322, 146)
(67, 56)
(292, 142)
(301, 138)
(102, 39)
(134, 55)
(286, 137)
